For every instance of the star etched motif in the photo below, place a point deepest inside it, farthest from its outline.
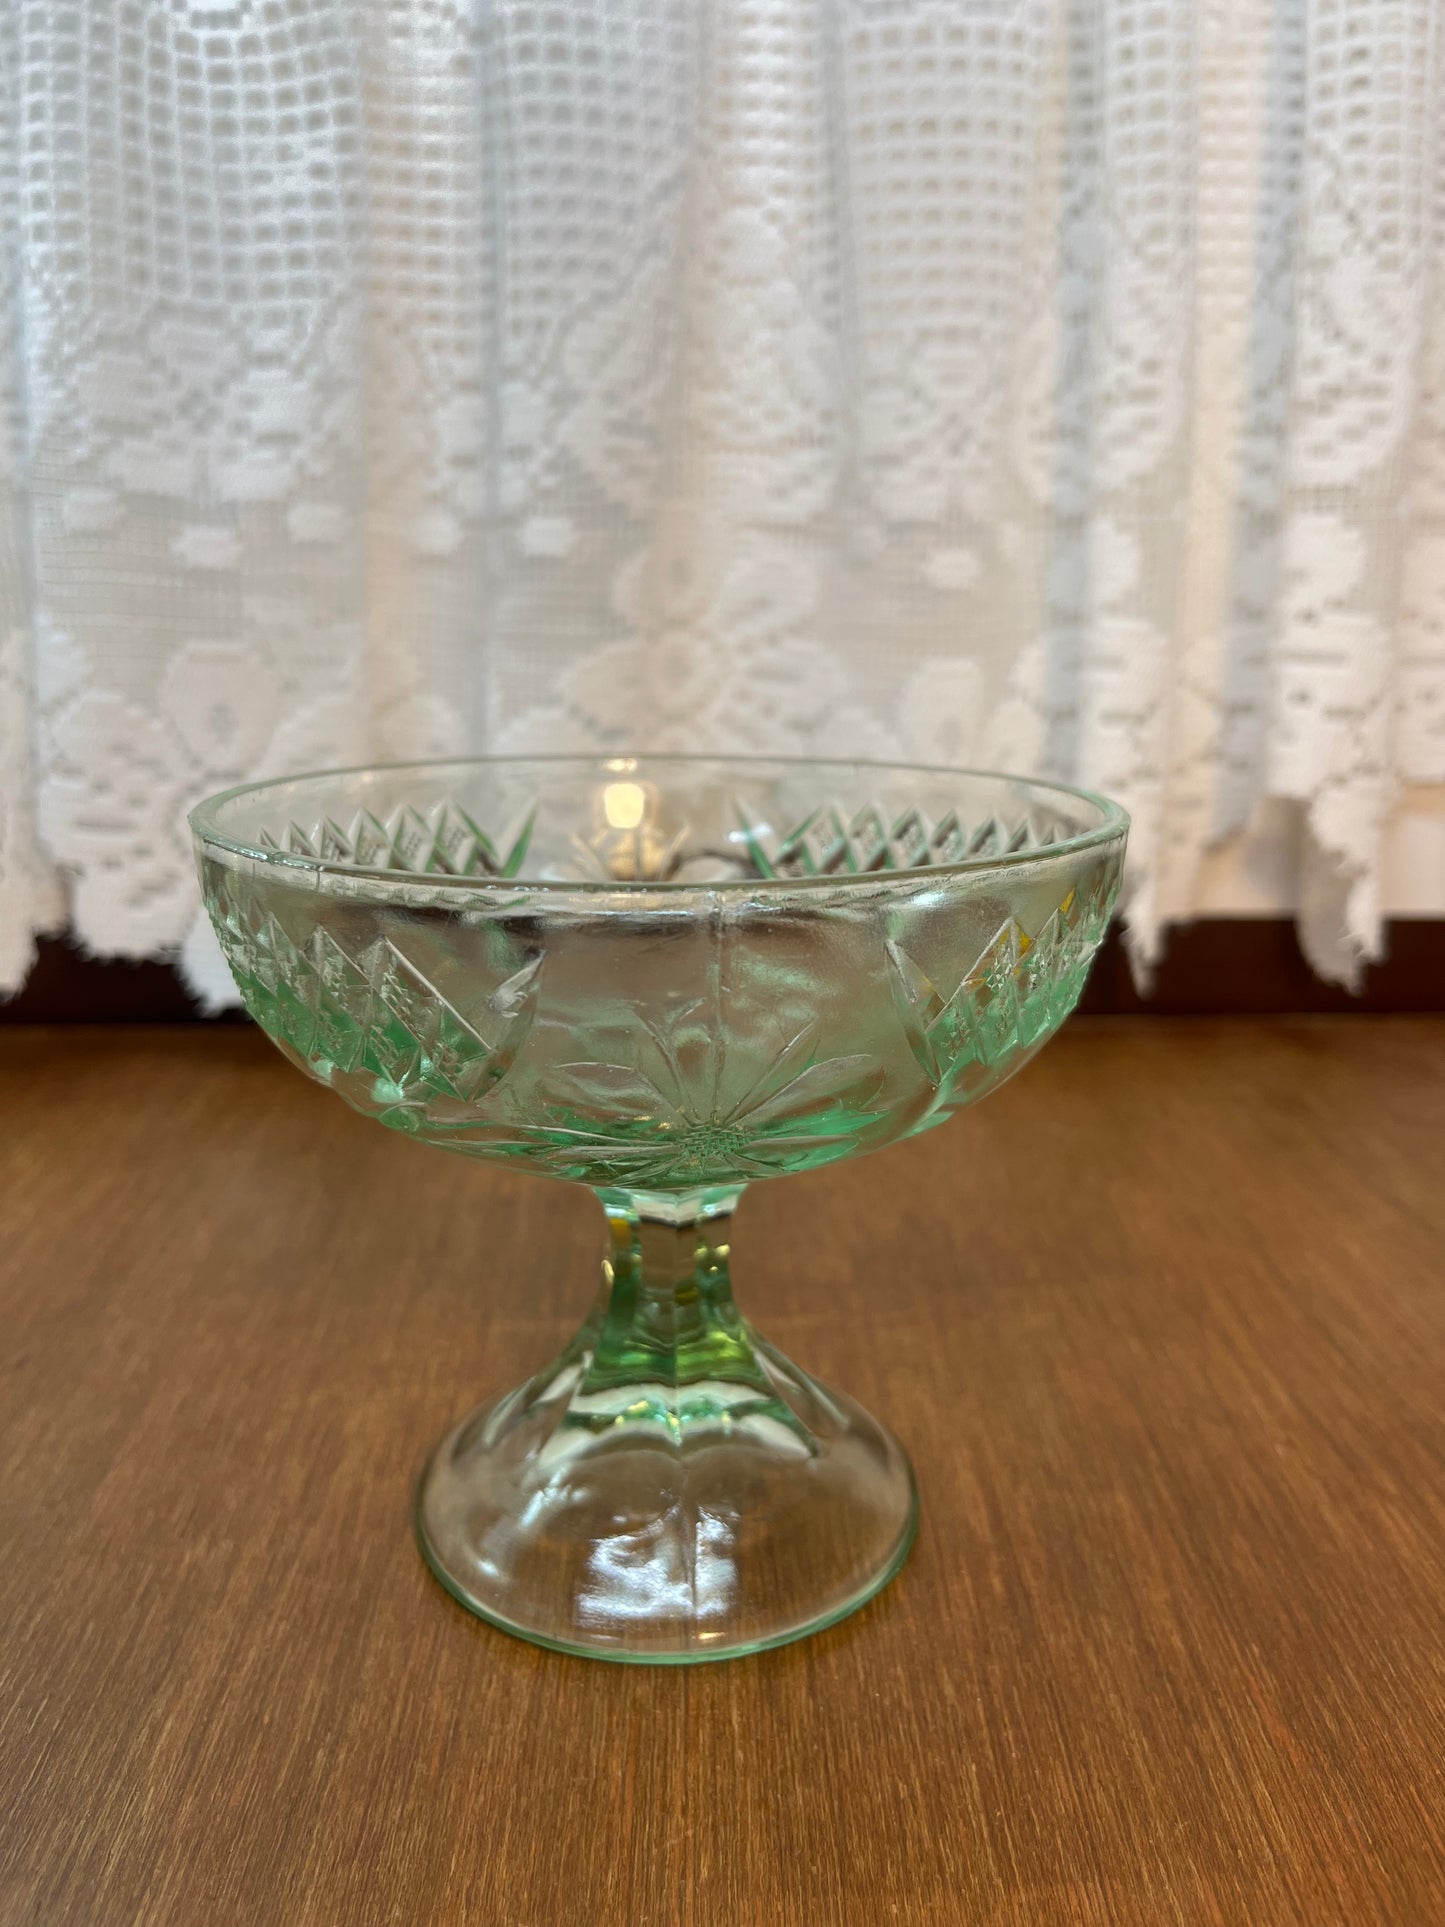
(695, 1110)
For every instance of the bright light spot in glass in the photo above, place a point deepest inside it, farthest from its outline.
(624, 804)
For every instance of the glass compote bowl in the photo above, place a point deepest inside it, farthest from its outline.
(662, 977)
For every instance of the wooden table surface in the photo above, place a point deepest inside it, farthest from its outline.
(1163, 1325)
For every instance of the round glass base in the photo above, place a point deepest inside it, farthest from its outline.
(665, 1523)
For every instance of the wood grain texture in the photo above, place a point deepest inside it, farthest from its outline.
(1163, 1325)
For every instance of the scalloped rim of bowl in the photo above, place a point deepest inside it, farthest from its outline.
(1112, 828)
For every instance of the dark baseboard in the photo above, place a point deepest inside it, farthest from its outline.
(67, 987)
(1244, 965)
(1220, 964)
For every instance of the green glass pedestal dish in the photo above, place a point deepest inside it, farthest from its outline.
(664, 978)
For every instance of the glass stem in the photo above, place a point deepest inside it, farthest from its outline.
(666, 1316)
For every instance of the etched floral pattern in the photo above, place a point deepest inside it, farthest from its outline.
(694, 1108)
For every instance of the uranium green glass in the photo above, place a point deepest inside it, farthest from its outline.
(663, 978)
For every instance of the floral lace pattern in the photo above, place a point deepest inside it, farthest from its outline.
(1057, 389)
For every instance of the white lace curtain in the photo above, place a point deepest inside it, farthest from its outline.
(1051, 385)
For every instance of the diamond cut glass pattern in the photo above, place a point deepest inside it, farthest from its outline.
(664, 978)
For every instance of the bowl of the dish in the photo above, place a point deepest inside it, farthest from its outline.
(659, 973)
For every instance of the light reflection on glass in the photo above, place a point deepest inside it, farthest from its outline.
(655, 1572)
(624, 805)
